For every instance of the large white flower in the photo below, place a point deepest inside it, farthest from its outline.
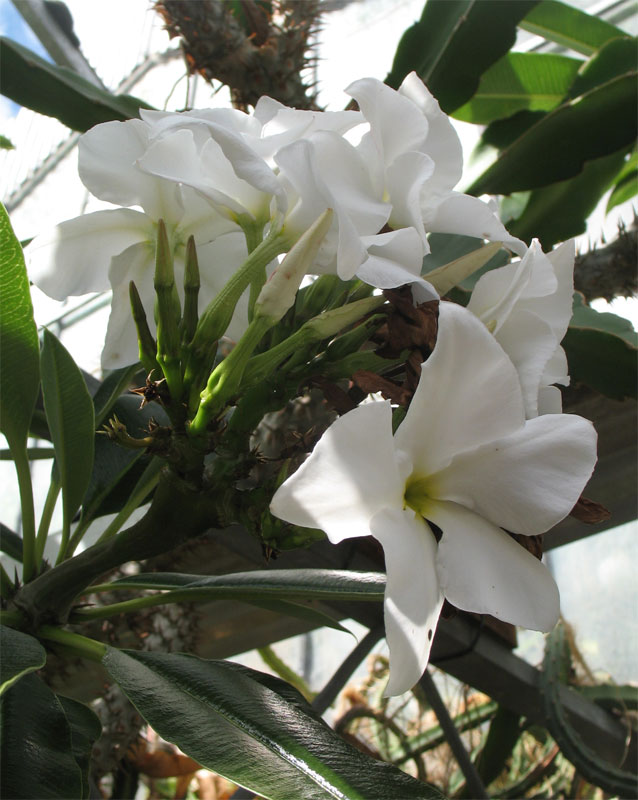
(527, 305)
(107, 249)
(464, 459)
(415, 164)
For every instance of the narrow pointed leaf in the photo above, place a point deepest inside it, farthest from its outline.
(19, 348)
(616, 57)
(59, 92)
(70, 415)
(533, 81)
(452, 274)
(19, 654)
(232, 721)
(35, 744)
(324, 584)
(451, 35)
(597, 124)
(569, 27)
(86, 729)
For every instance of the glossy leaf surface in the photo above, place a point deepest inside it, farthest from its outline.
(454, 42)
(569, 26)
(35, 744)
(70, 415)
(532, 81)
(253, 729)
(19, 348)
(19, 655)
(59, 92)
(596, 124)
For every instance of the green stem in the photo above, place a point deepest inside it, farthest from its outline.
(272, 660)
(33, 453)
(28, 513)
(12, 617)
(82, 645)
(225, 380)
(178, 512)
(147, 482)
(45, 519)
(137, 603)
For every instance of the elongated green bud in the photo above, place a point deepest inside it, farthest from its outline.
(451, 274)
(319, 296)
(280, 291)
(351, 341)
(167, 309)
(146, 342)
(191, 292)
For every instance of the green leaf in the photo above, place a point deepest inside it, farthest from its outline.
(533, 81)
(59, 92)
(10, 543)
(601, 352)
(86, 729)
(35, 744)
(617, 57)
(626, 183)
(455, 272)
(559, 211)
(6, 144)
(19, 348)
(326, 584)
(584, 316)
(597, 124)
(19, 654)
(454, 42)
(69, 411)
(256, 731)
(569, 27)
(110, 390)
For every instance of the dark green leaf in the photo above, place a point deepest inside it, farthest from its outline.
(59, 92)
(617, 57)
(533, 81)
(626, 183)
(584, 316)
(502, 736)
(86, 729)
(327, 584)
(35, 743)
(454, 42)
(557, 212)
(570, 27)
(503, 132)
(600, 352)
(10, 543)
(69, 411)
(116, 470)
(110, 389)
(597, 124)
(6, 144)
(19, 348)
(19, 654)
(232, 721)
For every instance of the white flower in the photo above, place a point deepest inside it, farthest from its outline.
(464, 459)
(107, 249)
(415, 158)
(527, 305)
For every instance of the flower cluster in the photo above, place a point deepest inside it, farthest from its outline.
(229, 178)
(483, 449)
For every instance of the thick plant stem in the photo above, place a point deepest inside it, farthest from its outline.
(177, 513)
(28, 513)
(80, 645)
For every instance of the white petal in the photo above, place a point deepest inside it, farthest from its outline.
(528, 481)
(350, 475)
(469, 216)
(382, 107)
(530, 344)
(413, 599)
(556, 370)
(556, 308)
(74, 257)
(136, 263)
(468, 394)
(394, 259)
(550, 400)
(405, 179)
(484, 570)
(442, 144)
